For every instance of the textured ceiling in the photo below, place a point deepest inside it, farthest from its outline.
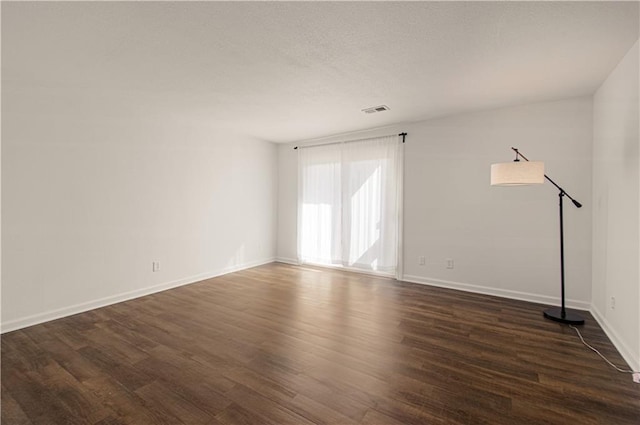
(292, 71)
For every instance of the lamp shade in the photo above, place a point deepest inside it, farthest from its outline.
(517, 173)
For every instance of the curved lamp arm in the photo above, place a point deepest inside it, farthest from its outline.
(562, 191)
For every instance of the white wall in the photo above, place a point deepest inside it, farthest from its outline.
(504, 241)
(94, 190)
(287, 203)
(0, 184)
(616, 214)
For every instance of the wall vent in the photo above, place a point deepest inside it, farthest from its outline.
(375, 109)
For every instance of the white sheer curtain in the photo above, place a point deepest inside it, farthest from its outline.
(349, 204)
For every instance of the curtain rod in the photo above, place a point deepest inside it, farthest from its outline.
(350, 141)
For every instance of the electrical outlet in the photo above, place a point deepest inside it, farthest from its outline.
(449, 263)
(421, 260)
(155, 266)
(613, 303)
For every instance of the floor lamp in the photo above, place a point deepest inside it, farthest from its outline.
(518, 173)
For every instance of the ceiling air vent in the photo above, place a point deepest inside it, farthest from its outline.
(375, 109)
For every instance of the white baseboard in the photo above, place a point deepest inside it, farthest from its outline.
(285, 260)
(504, 293)
(632, 359)
(35, 319)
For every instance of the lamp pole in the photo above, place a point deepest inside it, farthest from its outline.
(561, 314)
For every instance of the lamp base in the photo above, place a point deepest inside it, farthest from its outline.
(571, 318)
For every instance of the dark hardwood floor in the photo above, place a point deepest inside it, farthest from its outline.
(279, 344)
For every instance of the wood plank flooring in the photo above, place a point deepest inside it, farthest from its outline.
(279, 344)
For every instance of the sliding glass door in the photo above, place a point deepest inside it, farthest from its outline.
(350, 197)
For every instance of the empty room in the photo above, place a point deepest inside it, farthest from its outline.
(373, 213)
